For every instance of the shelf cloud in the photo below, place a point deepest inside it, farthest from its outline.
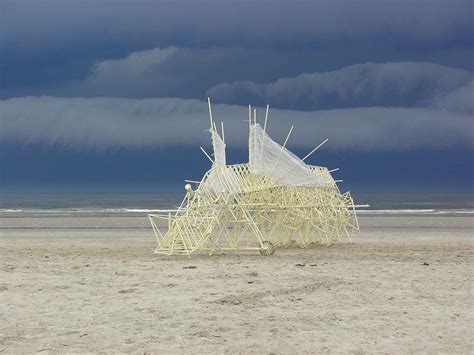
(359, 85)
(459, 100)
(109, 123)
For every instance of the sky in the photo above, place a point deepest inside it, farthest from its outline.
(111, 95)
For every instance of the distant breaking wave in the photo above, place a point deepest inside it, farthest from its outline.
(398, 211)
(414, 211)
(173, 210)
(80, 210)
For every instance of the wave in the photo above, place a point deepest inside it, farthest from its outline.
(396, 211)
(140, 210)
(79, 210)
(173, 210)
(414, 211)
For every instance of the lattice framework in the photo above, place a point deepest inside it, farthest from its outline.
(234, 208)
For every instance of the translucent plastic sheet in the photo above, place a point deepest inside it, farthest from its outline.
(219, 149)
(221, 179)
(268, 158)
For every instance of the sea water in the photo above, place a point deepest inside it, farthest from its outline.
(87, 204)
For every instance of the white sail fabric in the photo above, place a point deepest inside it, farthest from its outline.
(219, 149)
(221, 179)
(268, 158)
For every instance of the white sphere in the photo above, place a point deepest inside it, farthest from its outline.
(188, 187)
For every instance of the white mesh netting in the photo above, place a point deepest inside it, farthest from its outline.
(268, 158)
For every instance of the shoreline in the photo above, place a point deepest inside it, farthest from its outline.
(111, 221)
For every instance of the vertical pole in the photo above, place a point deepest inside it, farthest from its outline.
(210, 110)
(250, 116)
(223, 141)
(222, 130)
(266, 118)
(250, 130)
(264, 131)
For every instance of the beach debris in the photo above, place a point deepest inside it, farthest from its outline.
(300, 265)
(295, 299)
(425, 264)
(190, 267)
(231, 299)
(275, 200)
(129, 290)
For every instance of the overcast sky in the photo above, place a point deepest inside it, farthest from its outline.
(125, 82)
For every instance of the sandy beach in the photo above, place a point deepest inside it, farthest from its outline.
(93, 284)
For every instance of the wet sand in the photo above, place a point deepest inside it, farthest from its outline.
(70, 284)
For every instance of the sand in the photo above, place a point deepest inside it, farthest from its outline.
(93, 284)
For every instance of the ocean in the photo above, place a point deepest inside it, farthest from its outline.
(87, 204)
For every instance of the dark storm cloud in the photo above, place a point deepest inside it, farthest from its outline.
(178, 72)
(370, 84)
(187, 73)
(101, 123)
(47, 44)
(40, 24)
